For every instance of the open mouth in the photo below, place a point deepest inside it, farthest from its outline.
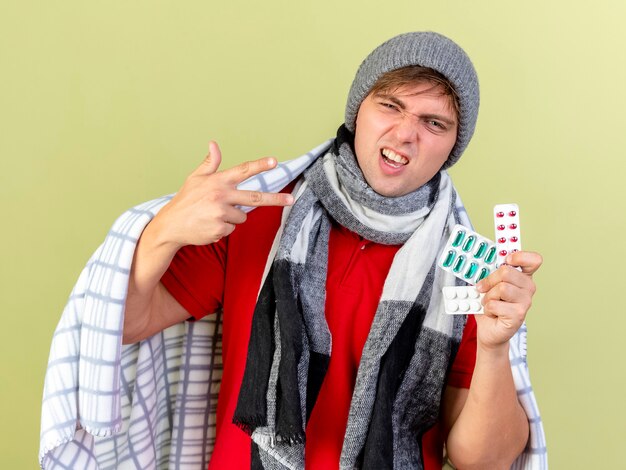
(393, 159)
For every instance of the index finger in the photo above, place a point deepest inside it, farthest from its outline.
(245, 198)
(528, 261)
(505, 274)
(243, 171)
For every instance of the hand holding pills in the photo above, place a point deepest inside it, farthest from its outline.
(501, 272)
(507, 297)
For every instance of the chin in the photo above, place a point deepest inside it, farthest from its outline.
(390, 189)
(390, 192)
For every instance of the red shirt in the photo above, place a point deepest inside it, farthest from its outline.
(228, 274)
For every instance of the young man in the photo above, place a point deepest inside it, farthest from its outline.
(335, 347)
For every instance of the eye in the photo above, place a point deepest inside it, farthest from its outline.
(436, 124)
(388, 105)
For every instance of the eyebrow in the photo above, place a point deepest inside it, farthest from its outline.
(402, 106)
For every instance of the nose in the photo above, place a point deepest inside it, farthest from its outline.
(406, 129)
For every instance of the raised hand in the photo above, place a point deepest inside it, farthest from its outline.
(205, 209)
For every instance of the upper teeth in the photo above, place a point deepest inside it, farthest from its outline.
(391, 155)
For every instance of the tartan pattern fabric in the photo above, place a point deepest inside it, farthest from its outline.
(152, 405)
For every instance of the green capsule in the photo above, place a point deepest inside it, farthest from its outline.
(469, 243)
(483, 274)
(460, 262)
(459, 238)
(471, 271)
(482, 247)
(491, 255)
(449, 259)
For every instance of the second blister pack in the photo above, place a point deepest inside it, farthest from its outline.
(468, 255)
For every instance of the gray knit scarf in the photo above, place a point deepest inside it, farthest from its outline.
(411, 343)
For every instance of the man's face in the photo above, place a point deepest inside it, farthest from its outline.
(403, 137)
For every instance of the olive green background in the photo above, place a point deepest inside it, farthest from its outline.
(107, 104)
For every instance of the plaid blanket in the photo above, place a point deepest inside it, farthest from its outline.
(152, 405)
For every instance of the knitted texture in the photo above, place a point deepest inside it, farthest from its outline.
(426, 49)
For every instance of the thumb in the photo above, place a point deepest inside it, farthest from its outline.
(211, 162)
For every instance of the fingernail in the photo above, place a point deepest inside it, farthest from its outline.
(480, 287)
(289, 199)
(271, 161)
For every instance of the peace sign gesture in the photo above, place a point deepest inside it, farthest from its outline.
(206, 208)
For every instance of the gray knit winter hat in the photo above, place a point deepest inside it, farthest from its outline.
(426, 49)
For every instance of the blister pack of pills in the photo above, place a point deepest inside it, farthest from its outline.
(472, 257)
(462, 300)
(506, 220)
(468, 255)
